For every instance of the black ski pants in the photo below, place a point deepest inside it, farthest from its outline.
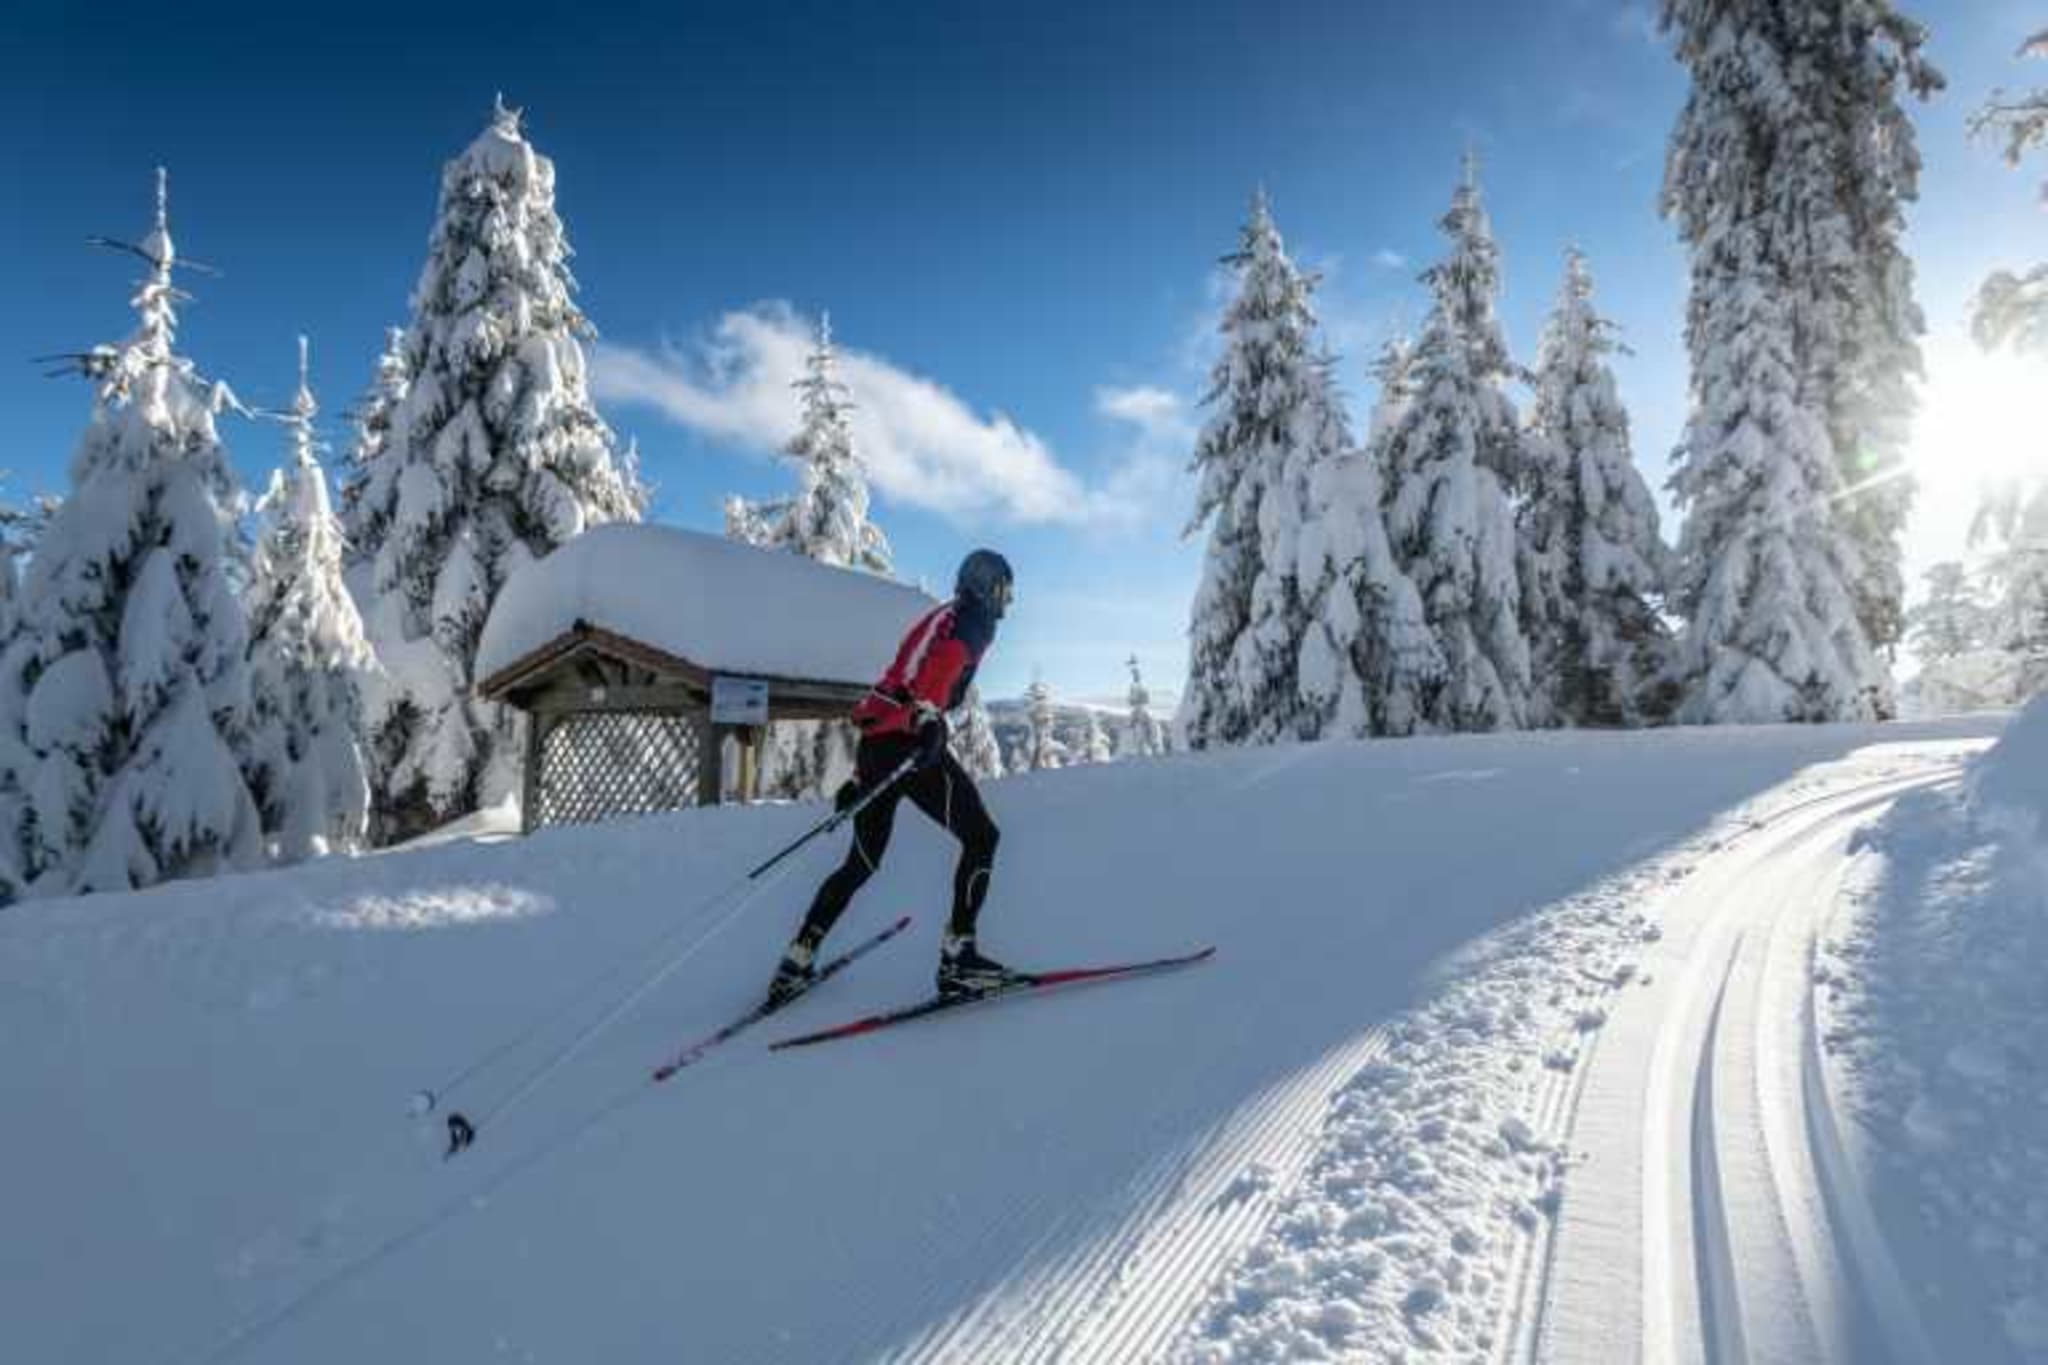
(944, 792)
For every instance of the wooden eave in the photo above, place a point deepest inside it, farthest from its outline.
(792, 698)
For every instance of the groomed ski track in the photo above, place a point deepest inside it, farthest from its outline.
(1714, 1213)
(1097, 1177)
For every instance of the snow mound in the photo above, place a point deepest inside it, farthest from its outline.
(1939, 1030)
(2010, 783)
(714, 602)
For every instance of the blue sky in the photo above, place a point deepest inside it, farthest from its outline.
(1012, 213)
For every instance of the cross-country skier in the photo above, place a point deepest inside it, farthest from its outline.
(904, 716)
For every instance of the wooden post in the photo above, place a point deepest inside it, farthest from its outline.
(538, 723)
(710, 760)
(750, 764)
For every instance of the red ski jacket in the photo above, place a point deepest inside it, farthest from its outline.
(933, 667)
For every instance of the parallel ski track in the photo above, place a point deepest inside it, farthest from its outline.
(1754, 1239)
(1131, 1277)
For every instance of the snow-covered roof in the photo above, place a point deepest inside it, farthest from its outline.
(721, 605)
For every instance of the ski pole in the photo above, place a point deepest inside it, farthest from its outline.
(427, 1100)
(838, 817)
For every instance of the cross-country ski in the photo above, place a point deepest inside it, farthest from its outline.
(1026, 983)
(828, 969)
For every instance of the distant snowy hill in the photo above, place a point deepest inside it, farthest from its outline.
(1353, 1134)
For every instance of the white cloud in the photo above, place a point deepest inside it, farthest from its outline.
(1152, 410)
(924, 446)
(1150, 473)
(1386, 258)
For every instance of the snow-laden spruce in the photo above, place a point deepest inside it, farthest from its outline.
(19, 529)
(369, 480)
(1369, 662)
(2012, 529)
(1949, 618)
(494, 455)
(973, 740)
(1042, 747)
(1951, 631)
(1763, 568)
(124, 695)
(827, 518)
(1095, 745)
(1450, 462)
(1788, 172)
(1593, 564)
(1773, 579)
(307, 653)
(1274, 418)
(2013, 308)
(1142, 734)
(1851, 166)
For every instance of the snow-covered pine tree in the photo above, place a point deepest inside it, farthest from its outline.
(495, 456)
(1853, 165)
(19, 529)
(1449, 463)
(307, 652)
(974, 739)
(1775, 581)
(1369, 662)
(1142, 736)
(1095, 747)
(1043, 748)
(1273, 420)
(1593, 565)
(1763, 568)
(1795, 135)
(1949, 620)
(1393, 372)
(368, 482)
(827, 519)
(2013, 528)
(124, 695)
(2013, 309)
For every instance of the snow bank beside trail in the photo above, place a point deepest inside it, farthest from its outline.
(1939, 1028)
(1432, 1186)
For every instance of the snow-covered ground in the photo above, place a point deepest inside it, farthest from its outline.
(1507, 1052)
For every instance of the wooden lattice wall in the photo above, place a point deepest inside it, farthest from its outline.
(595, 765)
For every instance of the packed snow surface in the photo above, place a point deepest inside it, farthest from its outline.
(1363, 1131)
(704, 598)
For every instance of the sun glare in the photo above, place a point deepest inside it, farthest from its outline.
(1979, 418)
(1979, 424)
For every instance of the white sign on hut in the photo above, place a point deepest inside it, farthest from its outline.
(636, 651)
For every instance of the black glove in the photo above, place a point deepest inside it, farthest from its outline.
(847, 797)
(931, 740)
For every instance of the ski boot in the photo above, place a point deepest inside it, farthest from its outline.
(965, 973)
(794, 974)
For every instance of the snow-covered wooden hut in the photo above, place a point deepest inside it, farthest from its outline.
(636, 651)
